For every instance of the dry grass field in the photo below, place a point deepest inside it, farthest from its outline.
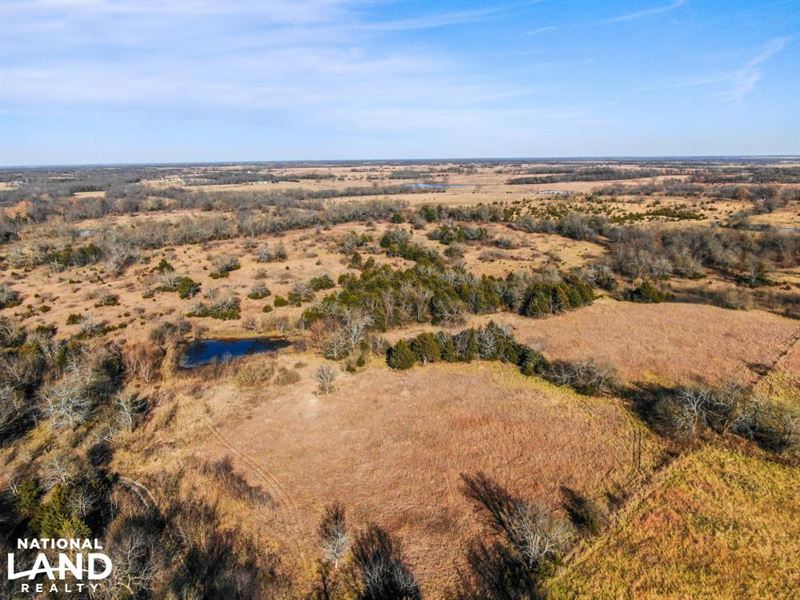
(392, 447)
(664, 343)
(716, 524)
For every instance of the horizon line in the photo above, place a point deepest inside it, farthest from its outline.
(322, 162)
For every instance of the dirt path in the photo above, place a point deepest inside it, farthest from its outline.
(272, 482)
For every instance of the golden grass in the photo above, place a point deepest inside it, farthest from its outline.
(391, 446)
(667, 343)
(718, 524)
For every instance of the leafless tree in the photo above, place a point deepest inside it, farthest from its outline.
(384, 574)
(355, 325)
(333, 534)
(83, 500)
(535, 533)
(65, 402)
(143, 361)
(128, 410)
(531, 529)
(691, 410)
(60, 469)
(337, 345)
(134, 567)
(325, 377)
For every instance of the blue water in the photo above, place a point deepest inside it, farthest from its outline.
(205, 352)
(435, 186)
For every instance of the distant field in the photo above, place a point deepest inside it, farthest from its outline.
(667, 344)
(681, 275)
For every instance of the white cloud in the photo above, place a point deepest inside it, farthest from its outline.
(746, 78)
(540, 30)
(315, 62)
(639, 14)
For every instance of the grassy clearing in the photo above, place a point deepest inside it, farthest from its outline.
(718, 524)
(421, 429)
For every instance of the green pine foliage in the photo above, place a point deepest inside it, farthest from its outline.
(324, 282)
(494, 342)
(430, 293)
(400, 356)
(186, 287)
(645, 292)
(446, 234)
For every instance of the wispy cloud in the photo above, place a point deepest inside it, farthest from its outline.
(648, 12)
(731, 85)
(261, 58)
(541, 30)
(432, 21)
(746, 78)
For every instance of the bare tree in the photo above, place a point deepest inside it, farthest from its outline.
(531, 529)
(337, 345)
(333, 534)
(143, 361)
(535, 533)
(65, 403)
(128, 410)
(59, 470)
(384, 573)
(356, 323)
(691, 410)
(325, 377)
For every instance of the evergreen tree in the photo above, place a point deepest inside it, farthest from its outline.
(400, 356)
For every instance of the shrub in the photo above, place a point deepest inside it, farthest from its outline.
(8, 296)
(275, 254)
(586, 377)
(223, 265)
(129, 410)
(280, 301)
(601, 276)
(426, 348)
(644, 292)
(258, 291)
(64, 403)
(107, 300)
(226, 309)
(163, 266)
(447, 235)
(170, 331)
(300, 292)
(143, 361)
(186, 287)
(353, 240)
(11, 334)
(586, 514)
(400, 356)
(287, 376)
(251, 375)
(323, 282)
(74, 319)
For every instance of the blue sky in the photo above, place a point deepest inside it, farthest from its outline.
(102, 81)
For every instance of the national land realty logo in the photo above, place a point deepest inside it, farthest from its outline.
(58, 565)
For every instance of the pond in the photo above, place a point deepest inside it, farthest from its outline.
(205, 352)
(436, 185)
